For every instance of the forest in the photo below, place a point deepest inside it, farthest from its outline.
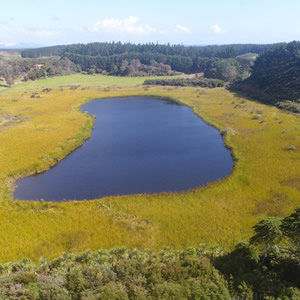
(117, 48)
(275, 77)
(220, 62)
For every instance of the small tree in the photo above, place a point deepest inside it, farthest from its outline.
(291, 228)
(136, 64)
(267, 233)
(91, 71)
(113, 68)
(8, 74)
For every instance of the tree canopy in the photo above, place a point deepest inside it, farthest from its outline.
(275, 76)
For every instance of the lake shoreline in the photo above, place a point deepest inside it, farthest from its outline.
(154, 99)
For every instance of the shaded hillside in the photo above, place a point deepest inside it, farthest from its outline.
(275, 76)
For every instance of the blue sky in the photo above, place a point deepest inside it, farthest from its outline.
(188, 22)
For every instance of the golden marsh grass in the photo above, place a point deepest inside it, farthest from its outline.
(265, 180)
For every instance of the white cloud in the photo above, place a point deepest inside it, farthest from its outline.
(217, 29)
(130, 24)
(184, 29)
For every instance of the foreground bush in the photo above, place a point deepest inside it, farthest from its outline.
(116, 274)
(266, 268)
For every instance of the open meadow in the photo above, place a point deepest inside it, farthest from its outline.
(38, 128)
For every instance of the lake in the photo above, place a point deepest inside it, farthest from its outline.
(138, 145)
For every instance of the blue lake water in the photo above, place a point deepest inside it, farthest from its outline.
(138, 145)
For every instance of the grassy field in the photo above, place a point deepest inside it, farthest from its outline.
(82, 80)
(37, 132)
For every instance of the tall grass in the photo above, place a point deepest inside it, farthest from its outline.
(264, 180)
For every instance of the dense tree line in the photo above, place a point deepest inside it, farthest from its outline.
(114, 58)
(43, 52)
(109, 63)
(223, 69)
(200, 82)
(218, 62)
(275, 75)
(109, 49)
(268, 267)
(219, 68)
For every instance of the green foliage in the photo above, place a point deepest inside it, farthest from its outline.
(270, 232)
(110, 57)
(223, 69)
(121, 274)
(271, 272)
(44, 51)
(217, 62)
(32, 69)
(201, 82)
(123, 64)
(275, 76)
(74, 283)
(194, 273)
(108, 49)
(25, 278)
(110, 291)
(291, 226)
(267, 232)
(91, 71)
(246, 61)
(7, 72)
(291, 229)
(293, 106)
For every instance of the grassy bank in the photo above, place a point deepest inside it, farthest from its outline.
(82, 80)
(265, 181)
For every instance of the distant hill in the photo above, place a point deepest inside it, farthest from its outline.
(275, 77)
(19, 46)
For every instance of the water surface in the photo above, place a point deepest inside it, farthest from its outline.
(138, 145)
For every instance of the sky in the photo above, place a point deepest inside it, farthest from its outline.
(188, 22)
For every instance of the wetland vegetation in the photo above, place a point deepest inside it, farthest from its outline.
(265, 180)
(41, 123)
